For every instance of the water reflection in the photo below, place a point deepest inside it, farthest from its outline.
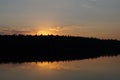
(103, 68)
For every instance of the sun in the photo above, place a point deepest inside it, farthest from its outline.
(44, 32)
(47, 31)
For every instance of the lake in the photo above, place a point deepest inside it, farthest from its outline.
(102, 68)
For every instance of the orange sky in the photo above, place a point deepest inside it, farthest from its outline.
(93, 18)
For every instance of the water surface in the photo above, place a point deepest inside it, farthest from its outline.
(102, 68)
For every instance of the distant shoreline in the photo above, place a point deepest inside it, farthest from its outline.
(28, 48)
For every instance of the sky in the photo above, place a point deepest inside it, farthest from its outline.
(89, 18)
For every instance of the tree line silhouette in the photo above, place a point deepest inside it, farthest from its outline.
(28, 48)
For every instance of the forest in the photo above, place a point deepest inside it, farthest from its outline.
(35, 48)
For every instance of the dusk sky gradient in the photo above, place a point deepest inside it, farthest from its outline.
(89, 18)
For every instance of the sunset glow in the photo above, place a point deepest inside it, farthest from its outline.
(48, 31)
(89, 18)
(59, 39)
(44, 33)
(47, 65)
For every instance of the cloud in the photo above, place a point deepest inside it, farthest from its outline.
(68, 28)
(7, 31)
(88, 3)
(92, 0)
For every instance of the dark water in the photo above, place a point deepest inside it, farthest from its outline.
(102, 68)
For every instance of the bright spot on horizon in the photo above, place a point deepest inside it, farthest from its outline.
(48, 31)
(47, 65)
(43, 33)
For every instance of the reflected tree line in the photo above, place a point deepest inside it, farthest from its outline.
(28, 48)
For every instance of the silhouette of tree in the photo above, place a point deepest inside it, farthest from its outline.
(21, 48)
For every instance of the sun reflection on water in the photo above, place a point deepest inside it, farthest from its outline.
(47, 65)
